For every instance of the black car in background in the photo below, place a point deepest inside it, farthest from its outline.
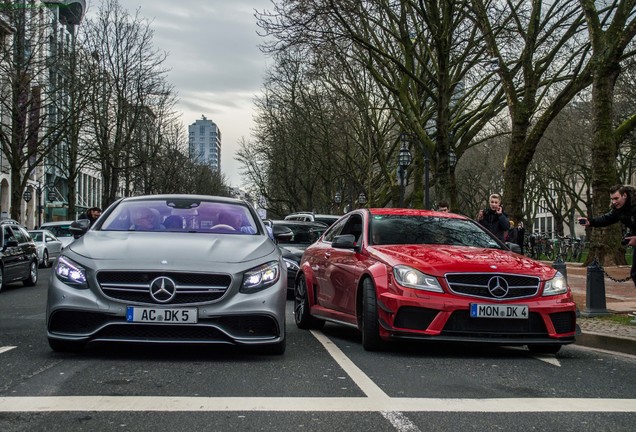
(293, 237)
(18, 257)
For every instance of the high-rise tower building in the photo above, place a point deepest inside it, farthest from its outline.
(205, 143)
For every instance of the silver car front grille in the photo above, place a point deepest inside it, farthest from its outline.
(185, 288)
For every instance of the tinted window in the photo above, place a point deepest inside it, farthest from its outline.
(429, 230)
(335, 230)
(60, 230)
(36, 236)
(20, 235)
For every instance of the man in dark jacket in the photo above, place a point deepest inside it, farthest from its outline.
(623, 210)
(91, 214)
(494, 219)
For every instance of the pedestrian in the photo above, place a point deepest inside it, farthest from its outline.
(443, 206)
(91, 214)
(623, 210)
(521, 232)
(512, 233)
(493, 218)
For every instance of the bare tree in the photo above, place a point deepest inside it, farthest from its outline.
(611, 30)
(130, 76)
(35, 107)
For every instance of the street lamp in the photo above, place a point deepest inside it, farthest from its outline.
(404, 160)
(337, 198)
(27, 195)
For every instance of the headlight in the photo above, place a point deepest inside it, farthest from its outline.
(291, 264)
(409, 277)
(260, 278)
(556, 285)
(70, 273)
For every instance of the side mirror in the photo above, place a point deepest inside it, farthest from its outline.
(282, 234)
(11, 243)
(79, 227)
(345, 241)
(514, 247)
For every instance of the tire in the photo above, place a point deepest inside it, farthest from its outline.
(65, 346)
(45, 259)
(32, 279)
(544, 349)
(302, 315)
(370, 325)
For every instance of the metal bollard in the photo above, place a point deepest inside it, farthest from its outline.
(560, 266)
(595, 289)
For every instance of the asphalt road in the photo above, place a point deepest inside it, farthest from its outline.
(324, 382)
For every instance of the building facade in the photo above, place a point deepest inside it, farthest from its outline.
(49, 34)
(204, 138)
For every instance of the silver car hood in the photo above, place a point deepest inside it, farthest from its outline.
(172, 248)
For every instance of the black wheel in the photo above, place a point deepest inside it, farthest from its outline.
(32, 279)
(544, 349)
(370, 326)
(65, 346)
(45, 259)
(303, 318)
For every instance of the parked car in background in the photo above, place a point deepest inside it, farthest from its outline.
(313, 217)
(170, 269)
(405, 274)
(293, 237)
(48, 246)
(18, 258)
(61, 230)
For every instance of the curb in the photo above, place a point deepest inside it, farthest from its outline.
(609, 343)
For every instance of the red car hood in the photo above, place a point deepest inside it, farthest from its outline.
(437, 260)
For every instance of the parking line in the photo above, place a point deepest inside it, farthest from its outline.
(365, 383)
(6, 348)
(310, 404)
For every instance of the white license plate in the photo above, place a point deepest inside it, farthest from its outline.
(160, 315)
(480, 310)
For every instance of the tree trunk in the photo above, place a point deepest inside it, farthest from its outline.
(604, 241)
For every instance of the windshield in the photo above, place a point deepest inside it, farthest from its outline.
(181, 215)
(390, 229)
(60, 231)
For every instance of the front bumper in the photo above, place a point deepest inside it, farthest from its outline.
(238, 319)
(428, 316)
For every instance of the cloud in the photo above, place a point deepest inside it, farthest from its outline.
(215, 63)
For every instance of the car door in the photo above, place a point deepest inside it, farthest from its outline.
(317, 258)
(342, 270)
(26, 248)
(12, 256)
(53, 245)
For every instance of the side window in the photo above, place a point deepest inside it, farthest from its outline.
(354, 227)
(21, 236)
(335, 230)
(7, 234)
(49, 238)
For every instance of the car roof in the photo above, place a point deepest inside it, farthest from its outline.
(56, 223)
(413, 212)
(298, 222)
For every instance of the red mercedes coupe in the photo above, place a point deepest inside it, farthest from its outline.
(424, 275)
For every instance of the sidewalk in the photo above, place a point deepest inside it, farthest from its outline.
(620, 298)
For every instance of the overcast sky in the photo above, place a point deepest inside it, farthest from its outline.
(216, 66)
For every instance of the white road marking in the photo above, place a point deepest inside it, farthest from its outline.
(548, 359)
(365, 383)
(6, 348)
(400, 422)
(310, 404)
